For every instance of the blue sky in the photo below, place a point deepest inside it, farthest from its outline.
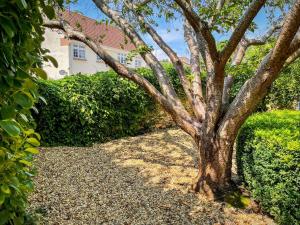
(174, 38)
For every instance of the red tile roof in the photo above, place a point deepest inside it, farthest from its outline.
(111, 36)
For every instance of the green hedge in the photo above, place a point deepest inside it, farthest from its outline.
(268, 157)
(83, 109)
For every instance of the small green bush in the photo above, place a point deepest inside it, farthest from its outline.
(268, 158)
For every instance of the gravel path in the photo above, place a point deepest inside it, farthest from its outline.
(136, 180)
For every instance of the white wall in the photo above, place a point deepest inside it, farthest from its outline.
(59, 52)
(90, 65)
(62, 50)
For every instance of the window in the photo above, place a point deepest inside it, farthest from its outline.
(99, 59)
(122, 58)
(137, 63)
(78, 51)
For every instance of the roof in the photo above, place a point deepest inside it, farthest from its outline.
(108, 35)
(184, 60)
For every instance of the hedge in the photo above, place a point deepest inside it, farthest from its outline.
(84, 109)
(268, 158)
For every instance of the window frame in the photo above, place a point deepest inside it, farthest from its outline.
(137, 63)
(122, 58)
(79, 51)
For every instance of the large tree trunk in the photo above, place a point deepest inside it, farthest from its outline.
(214, 170)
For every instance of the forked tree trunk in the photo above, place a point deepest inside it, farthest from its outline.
(214, 170)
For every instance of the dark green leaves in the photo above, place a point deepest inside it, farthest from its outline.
(51, 59)
(40, 72)
(268, 159)
(24, 99)
(21, 35)
(7, 112)
(22, 3)
(11, 127)
(49, 11)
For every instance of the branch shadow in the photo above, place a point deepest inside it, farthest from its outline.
(137, 180)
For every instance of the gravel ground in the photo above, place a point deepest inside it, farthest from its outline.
(136, 180)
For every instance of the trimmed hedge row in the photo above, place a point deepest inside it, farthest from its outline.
(268, 157)
(84, 109)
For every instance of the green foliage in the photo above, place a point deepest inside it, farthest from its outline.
(83, 109)
(20, 58)
(284, 92)
(268, 157)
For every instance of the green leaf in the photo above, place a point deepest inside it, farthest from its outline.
(23, 99)
(40, 72)
(25, 162)
(23, 3)
(32, 150)
(2, 199)
(11, 127)
(5, 189)
(24, 117)
(33, 142)
(53, 60)
(43, 100)
(49, 11)
(10, 32)
(7, 112)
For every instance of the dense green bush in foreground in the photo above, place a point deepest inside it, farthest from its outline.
(268, 156)
(20, 57)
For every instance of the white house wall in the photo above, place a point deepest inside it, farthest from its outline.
(53, 42)
(62, 50)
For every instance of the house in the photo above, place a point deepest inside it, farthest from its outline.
(75, 57)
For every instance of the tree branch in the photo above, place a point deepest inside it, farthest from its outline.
(143, 3)
(199, 26)
(240, 30)
(150, 59)
(178, 114)
(256, 87)
(195, 69)
(166, 48)
(263, 39)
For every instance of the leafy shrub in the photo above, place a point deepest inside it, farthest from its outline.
(284, 92)
(268, 157)
(20, 57)
(83, 109)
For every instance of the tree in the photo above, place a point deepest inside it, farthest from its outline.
(214, 121)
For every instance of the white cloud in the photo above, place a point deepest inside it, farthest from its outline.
(171, 35)
(160, 54)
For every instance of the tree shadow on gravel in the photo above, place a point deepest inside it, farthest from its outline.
(138, 180)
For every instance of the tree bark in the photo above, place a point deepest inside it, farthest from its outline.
(214, 170)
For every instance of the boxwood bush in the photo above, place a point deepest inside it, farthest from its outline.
(268, 157)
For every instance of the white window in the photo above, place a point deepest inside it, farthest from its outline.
(137, 63)
(78, 51)
(122, 58)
